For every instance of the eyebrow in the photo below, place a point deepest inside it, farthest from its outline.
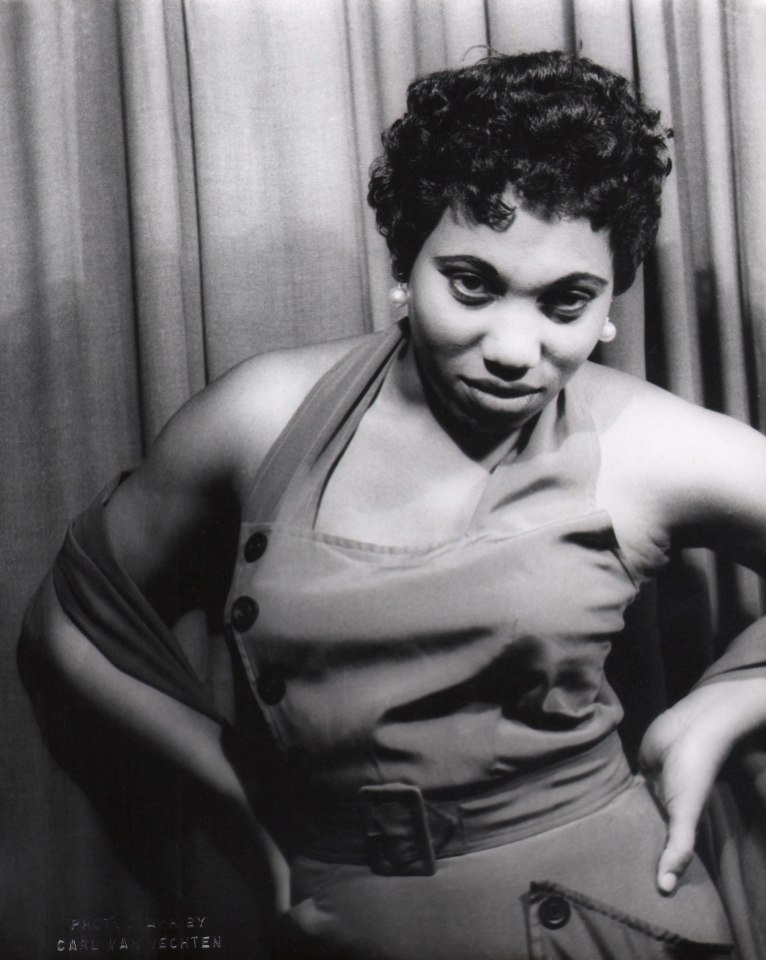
(487, 268)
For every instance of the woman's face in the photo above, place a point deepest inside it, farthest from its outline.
(501, 320)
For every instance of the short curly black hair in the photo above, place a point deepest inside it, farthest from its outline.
(569, 136)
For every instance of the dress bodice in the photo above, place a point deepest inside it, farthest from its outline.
(458, 663)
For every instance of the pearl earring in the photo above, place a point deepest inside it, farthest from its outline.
(399, 295)
(608, 332)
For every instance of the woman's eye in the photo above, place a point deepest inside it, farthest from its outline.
(469, 288)
(567, 305)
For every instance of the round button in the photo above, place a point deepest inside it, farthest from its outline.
(244, 613)
(554, 912)
(256, 546)
(271, 686)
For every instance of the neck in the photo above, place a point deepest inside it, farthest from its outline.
(408, 386)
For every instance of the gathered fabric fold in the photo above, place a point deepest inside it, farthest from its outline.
(108, 607)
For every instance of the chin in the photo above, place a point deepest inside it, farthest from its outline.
(493, 415)
(472, 416)
(476, 425)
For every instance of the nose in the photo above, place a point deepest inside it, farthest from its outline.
(512, 344)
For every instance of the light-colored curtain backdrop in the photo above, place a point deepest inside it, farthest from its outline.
(183, 184)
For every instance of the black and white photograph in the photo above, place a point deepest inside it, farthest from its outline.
(383, 479)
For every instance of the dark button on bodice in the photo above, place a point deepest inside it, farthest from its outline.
(554, 912)
(271, 686)
(244, 613)
(256, 546)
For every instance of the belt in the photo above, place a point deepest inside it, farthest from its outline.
(399, 830)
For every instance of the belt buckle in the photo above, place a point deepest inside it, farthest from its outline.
(396, 831)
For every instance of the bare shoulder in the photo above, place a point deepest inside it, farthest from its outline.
(648, 425)
(254, 401)
(208, 452)
(610, 394)
(673, 467)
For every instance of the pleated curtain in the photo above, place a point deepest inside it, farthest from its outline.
(182, 184)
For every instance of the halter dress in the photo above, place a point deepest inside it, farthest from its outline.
(445, 735)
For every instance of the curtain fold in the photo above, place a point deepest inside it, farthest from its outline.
(162, 215)
(184, 185)
(277, 176)
(745, 35)
(718, 287)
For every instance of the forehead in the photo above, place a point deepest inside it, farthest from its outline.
(537, 247)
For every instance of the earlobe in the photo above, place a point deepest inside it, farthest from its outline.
(399, 295)
(608, 332)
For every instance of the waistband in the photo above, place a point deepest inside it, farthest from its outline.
(399, 830)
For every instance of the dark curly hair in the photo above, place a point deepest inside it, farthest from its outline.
(569, 136)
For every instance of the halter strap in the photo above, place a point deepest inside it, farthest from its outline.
(324, 422)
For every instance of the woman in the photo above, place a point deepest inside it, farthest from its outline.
(440, 528)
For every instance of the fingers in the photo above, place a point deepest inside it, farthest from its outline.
(677, 854)
(684, 799)
(680, 756)
(681, 786)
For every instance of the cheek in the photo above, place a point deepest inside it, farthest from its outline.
(569, 352)
(437, 331)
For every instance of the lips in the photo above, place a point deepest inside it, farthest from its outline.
(501, 390)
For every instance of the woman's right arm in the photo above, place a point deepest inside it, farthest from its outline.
(187, 738)
(190, 474)
(193, 741)
(201, 464)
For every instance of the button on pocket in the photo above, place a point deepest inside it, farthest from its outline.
(562, 922)
(244, 613)
(554, 912)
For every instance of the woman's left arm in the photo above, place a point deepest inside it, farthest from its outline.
(716, 485)
(684, 749)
